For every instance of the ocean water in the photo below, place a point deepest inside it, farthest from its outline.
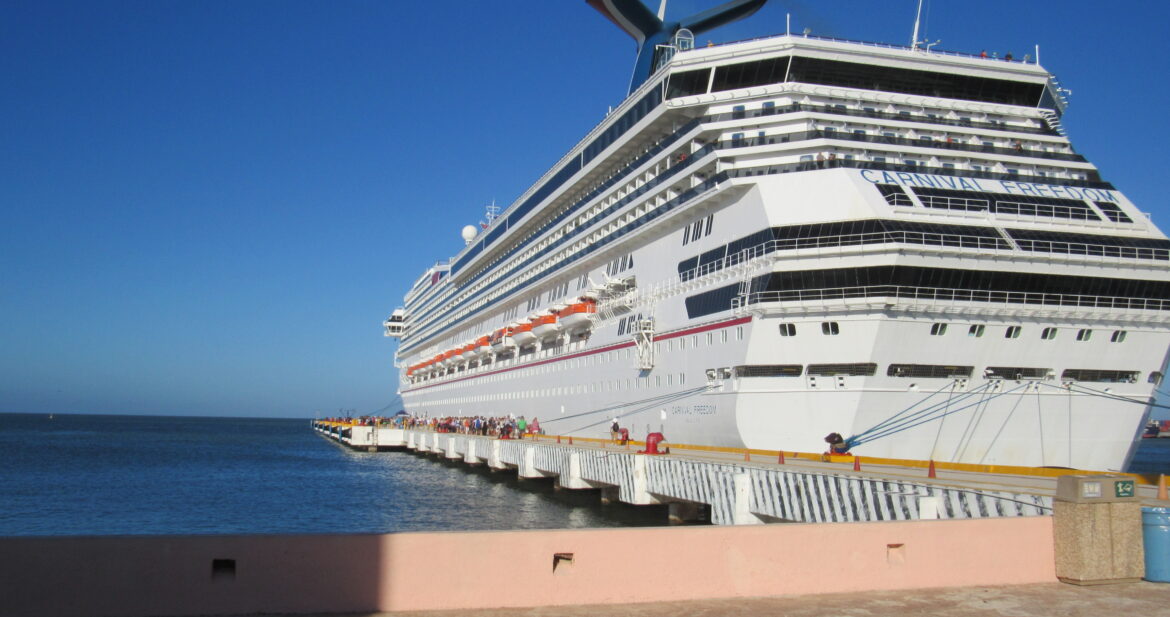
(131, 475)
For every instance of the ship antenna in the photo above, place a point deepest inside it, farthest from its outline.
(917, 20)
(650, 31)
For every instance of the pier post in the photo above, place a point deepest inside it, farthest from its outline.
(640, 495)
(528, 464)
(494, 455)
(741, 512)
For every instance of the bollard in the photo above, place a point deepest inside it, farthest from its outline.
(856, 463)
(570, 440)
(1156, 537)
(747, 455)
(780, 459)
(930, 472)
(558, 439)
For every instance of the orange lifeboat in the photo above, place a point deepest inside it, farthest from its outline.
(502, 339)
(483, 346)
(579, 315)
(523, 335)
(467, 352)
(449, 357)
(544, 326)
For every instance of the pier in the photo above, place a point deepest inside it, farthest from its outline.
(736, 487)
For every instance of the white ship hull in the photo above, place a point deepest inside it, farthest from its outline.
(759, 294)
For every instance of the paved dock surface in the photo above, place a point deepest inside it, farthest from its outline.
(1143, 599)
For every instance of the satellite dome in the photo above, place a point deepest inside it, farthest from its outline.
(469, 232)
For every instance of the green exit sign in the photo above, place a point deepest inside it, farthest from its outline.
(1123, 488)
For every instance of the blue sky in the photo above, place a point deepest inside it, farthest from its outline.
(207, 208)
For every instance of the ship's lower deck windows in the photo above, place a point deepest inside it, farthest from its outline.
(1118, 336)
(1016, 372)
(830, 370)
(975, 330)
(938, 329)
(1073, 374)
(769, 370)
(929, 371)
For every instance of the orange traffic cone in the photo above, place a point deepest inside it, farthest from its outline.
(856, 463)
(780, 459)
(930, 472)
(1162, 488)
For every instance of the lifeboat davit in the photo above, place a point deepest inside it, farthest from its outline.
(523, 334)
(578, 316)
(502, 339)
(450, 357)
(544, 326)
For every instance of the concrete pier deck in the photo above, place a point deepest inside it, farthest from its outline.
(727, 486)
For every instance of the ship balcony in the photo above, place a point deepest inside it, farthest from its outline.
(970, 301)
(881, 115)
(954, 146)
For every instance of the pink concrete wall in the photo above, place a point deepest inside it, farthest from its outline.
(422, 571)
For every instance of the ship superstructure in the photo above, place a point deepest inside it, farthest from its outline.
(781, 238)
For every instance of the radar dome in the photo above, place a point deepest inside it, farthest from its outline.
(469, 232)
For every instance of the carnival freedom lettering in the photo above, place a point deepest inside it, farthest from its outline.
(692, 410)
(1012, 187)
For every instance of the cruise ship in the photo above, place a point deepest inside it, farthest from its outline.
(782, 238)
